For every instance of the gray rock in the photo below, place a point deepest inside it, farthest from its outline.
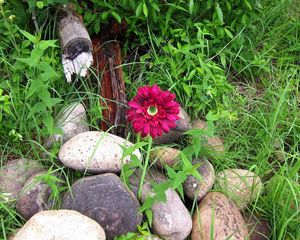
(195, 188)
(105, 199)
(182, 125)
(219, 216)
(95, 152)
(152, 176)
(241, 186)
(14, 174)
(60, 225)
(34, 197)
(171, 219)
(72, 121)
(165, 156)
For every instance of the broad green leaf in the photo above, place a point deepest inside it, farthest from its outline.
(116, 16)
(228, 33)
(139, 10)
(191, 6)
(35, 86)
(49, 122)
(248, 4)
(220, 14)
(44, 44)
(30, 37)
(145, 9)
(97, 26)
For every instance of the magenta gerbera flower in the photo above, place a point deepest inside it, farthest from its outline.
(153, 111)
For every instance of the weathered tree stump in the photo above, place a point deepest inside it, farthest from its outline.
(108, 61)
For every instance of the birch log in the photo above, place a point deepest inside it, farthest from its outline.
(75, 43)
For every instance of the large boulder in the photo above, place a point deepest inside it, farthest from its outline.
(105, 199)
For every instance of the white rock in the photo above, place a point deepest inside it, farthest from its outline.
(95, 152)
(60, 225)
(72, 121)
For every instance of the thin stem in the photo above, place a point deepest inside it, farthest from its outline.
(145, 167)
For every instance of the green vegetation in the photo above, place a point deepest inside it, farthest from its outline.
(235, 63)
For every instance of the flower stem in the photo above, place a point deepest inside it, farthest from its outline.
(145, 168)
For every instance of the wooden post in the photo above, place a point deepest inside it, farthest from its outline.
(108, 61)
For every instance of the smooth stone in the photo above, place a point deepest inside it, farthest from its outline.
(241, 186)
(214, 144)
(259, 229)
(171, 220)
(95, 152)
(72, 120)
(152, 176)
(105, 199)
(165, 156)
(195, 188)
(34, 197)
(182, 125)
(14, 174)
(218, 214)
(62, 225)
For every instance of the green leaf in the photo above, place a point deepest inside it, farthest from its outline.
(180, 178)
(187, 89)
(220, 14)
(49, 122)
(44, 44)
(37, 108)
(35, 86)
(116, 16)
(97, 26)
(139, 10)
(248, 4)
(171, 173)
(191, 6)
(40, 4)
(149, 216)
(145, 10)
(228, 33)
(30, 37)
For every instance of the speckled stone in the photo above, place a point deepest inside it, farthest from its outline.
(14, 174)
(72, 120)
(105, 199)
(95, 152)
(195, 188)
(60, 225)
(171, 219)
(182, 125)
(228, 222)
(165, 156)
(241, 186)
(34, 197)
